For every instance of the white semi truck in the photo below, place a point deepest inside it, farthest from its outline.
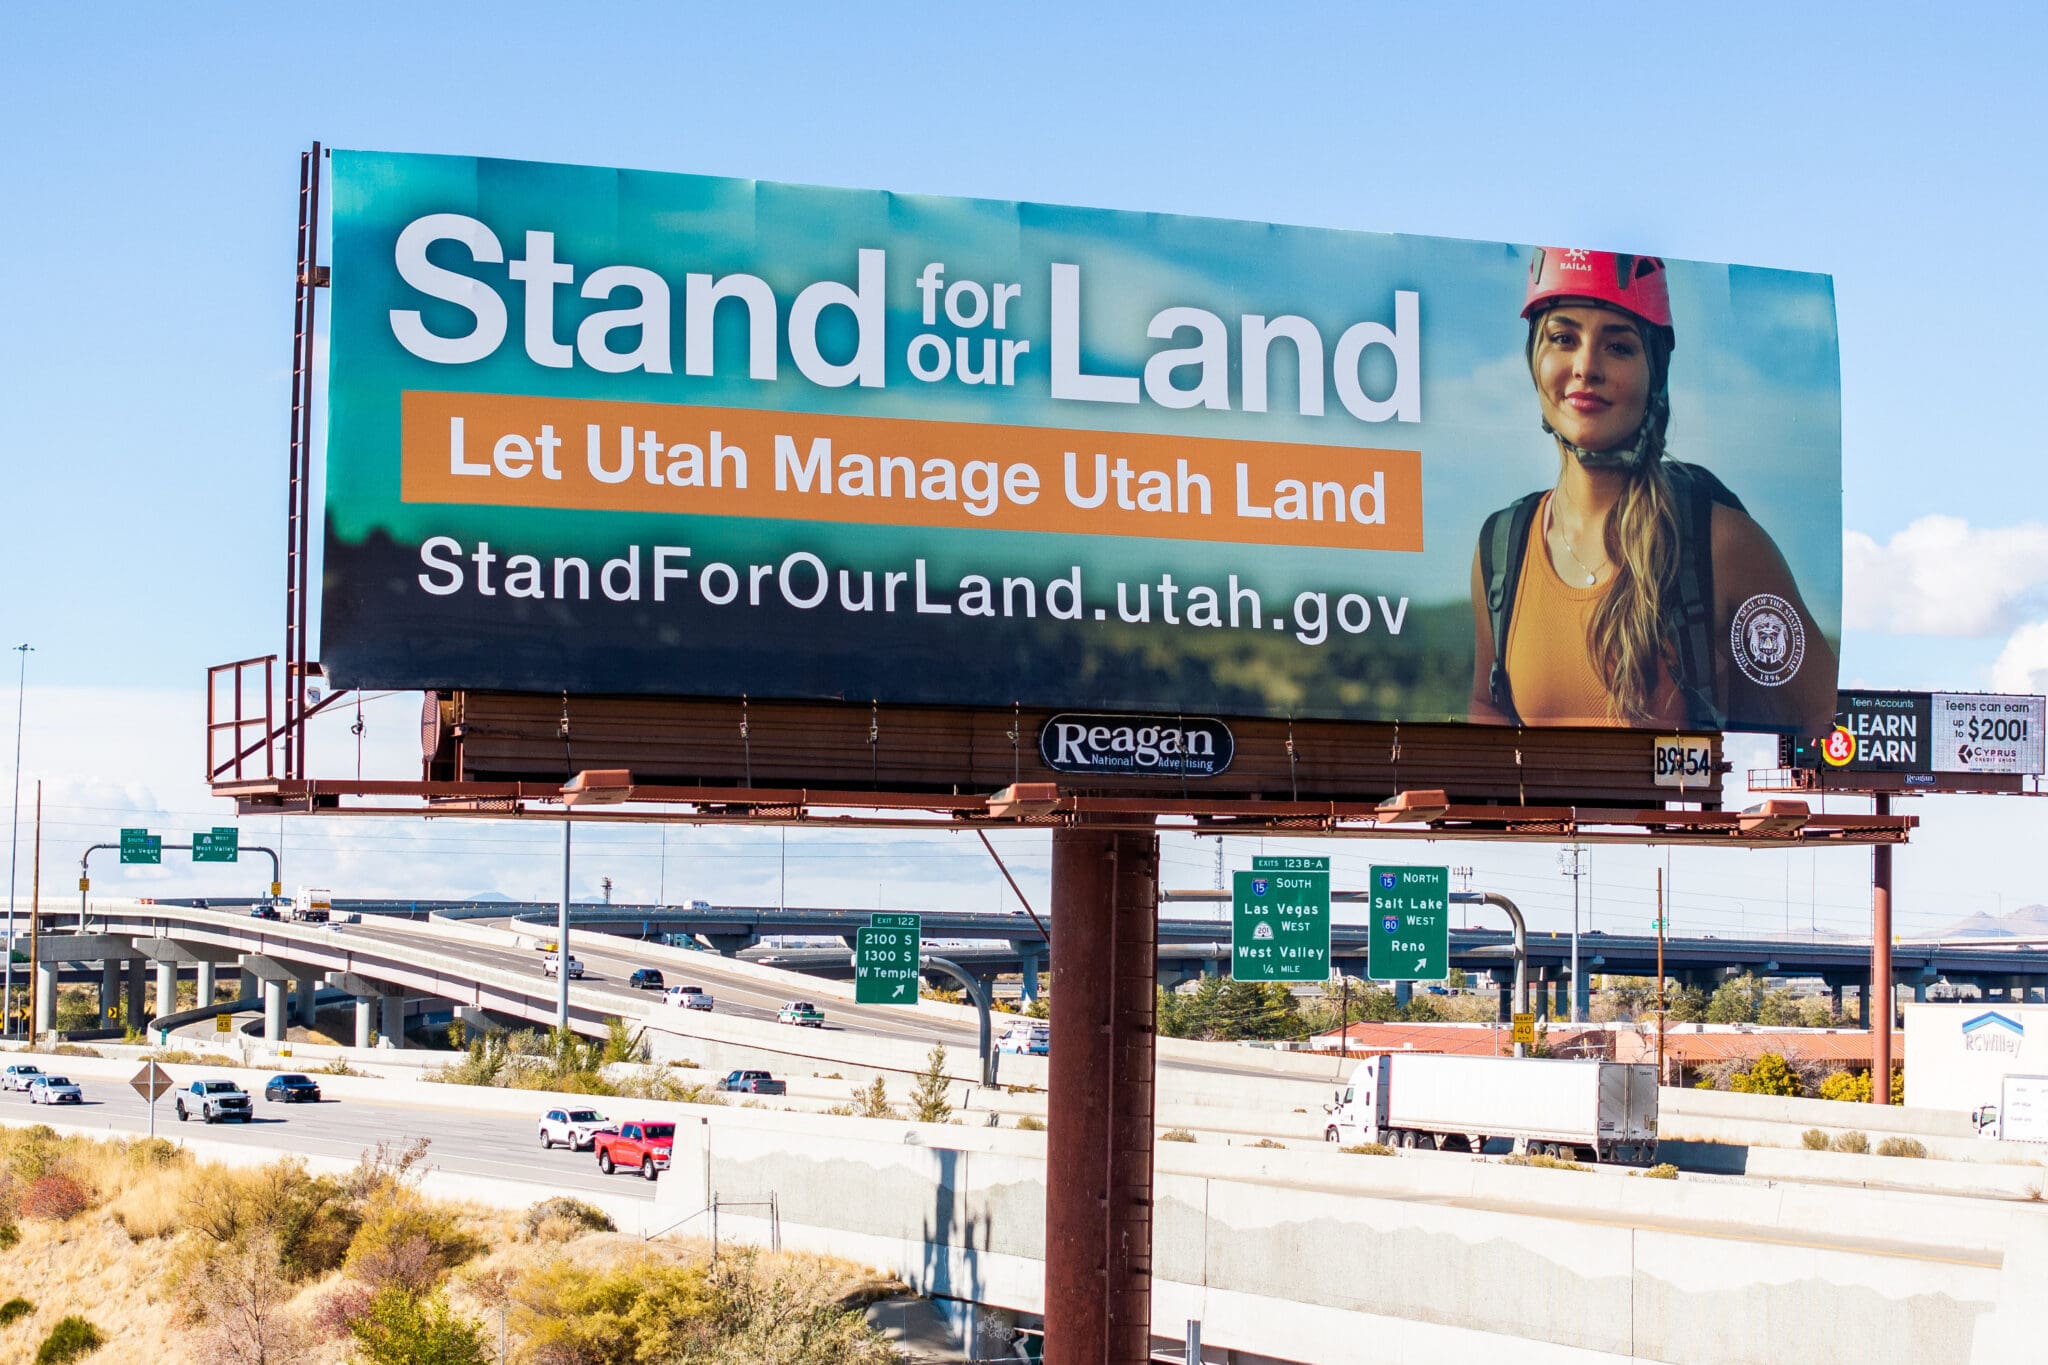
(1603, 1110)
(312, 905)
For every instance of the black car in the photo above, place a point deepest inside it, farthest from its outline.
(646, 979)
(263, 912)
(292, 1089)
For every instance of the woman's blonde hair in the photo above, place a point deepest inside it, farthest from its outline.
(1626, 637)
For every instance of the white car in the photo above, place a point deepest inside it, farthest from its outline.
(553, 964)
(54, 1090)
(688, 998)
(18, 1075)
(576, 1129)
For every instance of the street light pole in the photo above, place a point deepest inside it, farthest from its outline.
(1568, 860)
(562, 936)
(14, 837)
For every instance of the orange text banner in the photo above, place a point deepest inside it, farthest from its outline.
(500, 450)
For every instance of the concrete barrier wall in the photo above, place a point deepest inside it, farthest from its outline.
(1807, 1113)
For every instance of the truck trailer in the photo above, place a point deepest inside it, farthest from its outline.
(1606, 1111)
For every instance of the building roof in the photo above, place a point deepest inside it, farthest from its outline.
(1686, 1044)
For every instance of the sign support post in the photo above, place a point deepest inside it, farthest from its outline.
(1098, 1192)
(1880, 987)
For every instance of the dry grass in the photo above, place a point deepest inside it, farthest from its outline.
(167, 1235)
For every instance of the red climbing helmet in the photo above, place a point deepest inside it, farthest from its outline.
(1634, 284)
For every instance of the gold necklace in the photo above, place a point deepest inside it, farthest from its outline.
(1550, 520)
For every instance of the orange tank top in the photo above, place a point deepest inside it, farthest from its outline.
(1551, 675)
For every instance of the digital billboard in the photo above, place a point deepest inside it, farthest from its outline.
(1982, 733)
(607, 431)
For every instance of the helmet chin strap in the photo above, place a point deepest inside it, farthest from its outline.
(1642, 449)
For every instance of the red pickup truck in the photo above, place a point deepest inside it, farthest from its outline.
(644, 1147)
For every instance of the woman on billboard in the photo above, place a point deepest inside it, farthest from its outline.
(1635, 591)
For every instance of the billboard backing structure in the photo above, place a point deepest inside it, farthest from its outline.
(617, 432)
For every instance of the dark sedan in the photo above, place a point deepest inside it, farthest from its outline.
(292, 1089)
(646, 979)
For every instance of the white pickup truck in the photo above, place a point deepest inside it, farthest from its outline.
(688, 998)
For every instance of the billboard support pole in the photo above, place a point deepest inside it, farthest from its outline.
(1881, 965)
(299, 483)
(1098, 1197)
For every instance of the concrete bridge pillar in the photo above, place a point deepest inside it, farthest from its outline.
(110, 988)
(309, 1000)
(1506, 1013)
(1863, 1006)
(365, 1023)
(1404, 992)
(273, 1012)
(726, 945)
(1920, 991)
(1030, 962)
(166, 988)
(46, 997)
(138, 991)
(1560, 1006)
(203, 999)
(391, 1026)
(1582, 994)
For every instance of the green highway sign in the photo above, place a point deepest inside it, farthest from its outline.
(223, 844)
(1290, 864)
(1280, 924)
(885, 959)
(1409, 937)
(140, 846)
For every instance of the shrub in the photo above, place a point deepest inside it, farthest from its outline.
(71, 1338)
(1768, 1075)
(1176, 1135)
(638, 1309)
(1028, 1124)
(1547, 1162)
(1368, 1149)
(873, 1102)
(583, 1217)
(1267, 1142)
(928, 1096)
(241, 1304)
(1663, 1170)
(33, 1151)
(1851, 1142)
(407, 1244)
(1847, 1086)
(15, 1308)
(338, 1067)
(55, 1197)
(341, 1308)
(1901, 1146)
(401, 1329)
(9, 1235)
(1814, 1139)
(155, 1153)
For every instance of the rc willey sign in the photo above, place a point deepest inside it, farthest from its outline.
(1959, 1055)
(1142, 746)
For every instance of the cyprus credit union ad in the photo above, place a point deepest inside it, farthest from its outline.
(614, 431)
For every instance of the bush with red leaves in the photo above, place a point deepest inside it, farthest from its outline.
(56, 1197)
(341, 1309)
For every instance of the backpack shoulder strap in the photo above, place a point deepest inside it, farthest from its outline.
(1503, 542)
(1691, 613)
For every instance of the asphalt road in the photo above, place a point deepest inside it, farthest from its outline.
(502, 1147)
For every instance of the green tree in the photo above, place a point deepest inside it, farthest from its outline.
(1768, 1075)
(1686, 1005)
(1779, 1008)
(928, 1095)
(1736, 1001)
(1255, 1009)
(402, 1329)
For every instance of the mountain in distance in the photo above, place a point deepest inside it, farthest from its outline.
(2029, 921)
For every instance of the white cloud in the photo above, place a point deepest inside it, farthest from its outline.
(1941, 576)
(2023, 665)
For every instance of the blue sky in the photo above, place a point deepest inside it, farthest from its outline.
(148, 164)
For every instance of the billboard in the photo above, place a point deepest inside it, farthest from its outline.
(1932, 732)
(622, 432)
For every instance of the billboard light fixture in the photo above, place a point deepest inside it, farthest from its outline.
(1414, 808)
(1025, 799)
(1774, 817)
(598, 787)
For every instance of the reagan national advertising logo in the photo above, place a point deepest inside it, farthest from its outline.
(1136, 746)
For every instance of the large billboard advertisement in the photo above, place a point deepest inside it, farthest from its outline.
(611, 431)
(1983, 733)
